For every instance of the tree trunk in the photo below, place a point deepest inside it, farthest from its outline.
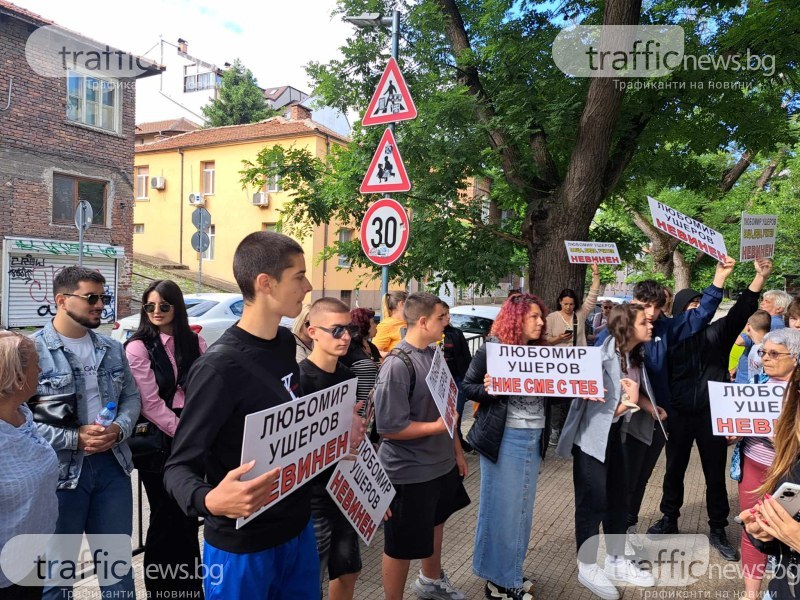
(682, 271)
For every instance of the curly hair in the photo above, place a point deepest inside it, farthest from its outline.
(621, 324)
(507, 327)
(362, 317)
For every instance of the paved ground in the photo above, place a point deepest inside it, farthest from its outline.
(551, 555)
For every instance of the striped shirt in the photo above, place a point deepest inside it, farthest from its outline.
(760, 449)
(28, 480)
(365, 367)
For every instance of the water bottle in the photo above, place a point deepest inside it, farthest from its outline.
(106, 416)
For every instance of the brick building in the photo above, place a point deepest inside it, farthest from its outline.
(64, 137)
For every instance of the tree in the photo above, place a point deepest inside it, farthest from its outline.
(240, 100)
(493, 105)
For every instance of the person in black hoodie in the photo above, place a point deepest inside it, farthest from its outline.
(457, 356)
(693, 363)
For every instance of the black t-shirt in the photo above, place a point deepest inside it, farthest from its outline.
(220, 392)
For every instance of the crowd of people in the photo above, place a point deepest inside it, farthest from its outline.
(79, 411)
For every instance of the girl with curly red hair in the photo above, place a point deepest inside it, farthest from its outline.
(509, 434)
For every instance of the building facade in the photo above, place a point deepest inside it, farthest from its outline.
(65, 137)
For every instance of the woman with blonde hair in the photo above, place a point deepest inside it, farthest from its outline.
(393, 324)
(302, 340)
(29, 469)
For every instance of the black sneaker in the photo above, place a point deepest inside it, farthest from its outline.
(496, 592)
(554, 435)
(719, 540)
(664, 526)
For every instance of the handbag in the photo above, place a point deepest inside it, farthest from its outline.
(735, 470)
(60, 410)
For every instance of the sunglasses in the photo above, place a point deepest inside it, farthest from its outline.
(164, 307)
(93, 298)
(338, 331)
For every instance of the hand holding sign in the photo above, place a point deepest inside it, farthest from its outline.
(234, 498)
(723, 271)
(763, 267)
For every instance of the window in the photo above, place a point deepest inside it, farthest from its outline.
(274, 182)
(345, 236)
(212, 237)
(141, 182)
(237, 308)
(138, 228)
(194, 81)
(347, 296)
(270, 227)
(68, 191)
(92, 100)
(208, 178)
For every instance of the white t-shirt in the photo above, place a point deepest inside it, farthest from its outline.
(83, 349)
(754, 364)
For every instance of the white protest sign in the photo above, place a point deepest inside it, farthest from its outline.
(757, 237)
(443, 389)
(544, 370)
(302, 437)
(745, 410)
(604, 253)
(362, 491)
(688, 230)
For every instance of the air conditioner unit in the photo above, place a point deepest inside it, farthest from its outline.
(196, 199)
(158, 183)
(261, 199)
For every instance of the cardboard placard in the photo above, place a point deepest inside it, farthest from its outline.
(688, 230)
(745, 410)
(757, 237)
(444, 391)
(603, 253)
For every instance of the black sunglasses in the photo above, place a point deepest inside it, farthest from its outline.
(150, 307)
(338, 331)
(93, 298)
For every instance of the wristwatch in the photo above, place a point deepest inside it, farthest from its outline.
(121, 435)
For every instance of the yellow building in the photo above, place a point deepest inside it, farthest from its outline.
(203, 167)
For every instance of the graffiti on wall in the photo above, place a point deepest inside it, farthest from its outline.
(65, 248)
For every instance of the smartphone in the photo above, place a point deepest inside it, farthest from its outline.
(569, 332)
(788, 496)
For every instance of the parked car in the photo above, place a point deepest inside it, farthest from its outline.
(209, 315)
(473, 318)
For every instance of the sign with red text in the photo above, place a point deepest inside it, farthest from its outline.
(302, 437)
(584, 253)
(386, 172)
(444, 390)
(362, 491)
(544, 370)
(688, 230)
(391, 101)
(745, 410)
(757, 237)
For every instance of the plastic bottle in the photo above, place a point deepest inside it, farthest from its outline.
(106, 416)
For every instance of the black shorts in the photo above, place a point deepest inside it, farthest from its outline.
(337, 540)
(416, 509)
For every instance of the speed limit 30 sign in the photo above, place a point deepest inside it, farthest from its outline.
(384, 232)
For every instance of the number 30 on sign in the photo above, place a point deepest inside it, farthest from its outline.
(384, 232)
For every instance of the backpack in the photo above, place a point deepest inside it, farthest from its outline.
(369, 407)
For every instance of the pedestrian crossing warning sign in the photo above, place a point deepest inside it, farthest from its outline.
(391, 101)
(386, 172)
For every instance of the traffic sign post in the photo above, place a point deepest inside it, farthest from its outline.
(384, 232)
(201, 219)
(84, 215)
(391, 101)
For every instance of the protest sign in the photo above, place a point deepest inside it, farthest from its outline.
(302, 437)
(745, 410)
(758, 237)
(544, 370)
(604, 253)
(688, 230)
(362, 491)
(443, 389)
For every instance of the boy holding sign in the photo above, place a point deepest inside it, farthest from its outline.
(424, 464)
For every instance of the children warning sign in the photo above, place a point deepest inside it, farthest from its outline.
(688, 230)
(602, 253)
(444, 390)
(391, 101)
(758, 237)
(386, 172)
(362, 491)
(745, 410)
(544, 370)
(303, 437)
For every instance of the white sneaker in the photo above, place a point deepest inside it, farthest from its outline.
(595, 580)
(623, 569)
(634, 543)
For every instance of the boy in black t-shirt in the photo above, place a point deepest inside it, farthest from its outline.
(337, 542)
(251, 368)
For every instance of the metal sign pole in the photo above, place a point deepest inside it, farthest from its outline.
(200, 275)
(395, 52)
(82, 220)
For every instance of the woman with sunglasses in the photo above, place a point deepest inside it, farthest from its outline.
(779, 352)
(161, 352)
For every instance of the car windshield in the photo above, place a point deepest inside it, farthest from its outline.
(200, 308)
(471, 323)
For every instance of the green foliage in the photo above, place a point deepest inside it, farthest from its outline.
(240, 100)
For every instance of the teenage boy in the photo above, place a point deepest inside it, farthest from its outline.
(749, 364)
(85, 371)
(251, 368)
(426, 466)
(329, 326)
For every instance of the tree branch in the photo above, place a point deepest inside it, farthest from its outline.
(770, 169)
(733, 174)
(623, 153)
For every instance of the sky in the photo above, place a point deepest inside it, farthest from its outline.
(273, 38)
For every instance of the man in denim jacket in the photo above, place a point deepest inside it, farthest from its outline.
(94, 487)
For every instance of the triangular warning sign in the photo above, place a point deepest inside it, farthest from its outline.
(391, 101)
(386, 172)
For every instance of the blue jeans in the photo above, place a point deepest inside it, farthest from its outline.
(102, 503)
(505, 515)
(290, 570)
